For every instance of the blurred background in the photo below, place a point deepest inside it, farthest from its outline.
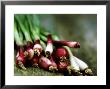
(72, 27)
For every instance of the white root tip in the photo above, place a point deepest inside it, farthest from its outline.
(49, 48)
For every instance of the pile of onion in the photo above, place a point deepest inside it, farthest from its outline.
(38, 48)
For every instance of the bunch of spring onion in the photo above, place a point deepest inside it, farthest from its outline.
(64, 57)
(38, 48)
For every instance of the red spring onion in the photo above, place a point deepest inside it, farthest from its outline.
(47, 64)
(61, 53)
(74, 67)
(71, 44)
(62, 65)
(20, 60)
(53, 66)
(29, 53)
(49, 48)
(44, 62)
(37, 47)
(35, 34)
(25, 30)
(74, 64)
(35, 61)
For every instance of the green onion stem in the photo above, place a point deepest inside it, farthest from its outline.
(21, 35)
(17, 36)
(23, 29)
(44, 38)
(36, 23)
(43, 44)
(32, 27)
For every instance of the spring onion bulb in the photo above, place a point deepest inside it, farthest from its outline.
(49, 47)
(74, 64)
(61, 54)
(35, 61)
(37, 47)
(29, 53)
(63, 65)
(53, 66)
(44, 62)
(48, 64)
(83, 66)
(20, 60)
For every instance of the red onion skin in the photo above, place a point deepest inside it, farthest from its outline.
(30, 54)
(44, 63)
(53, 63)
(35, 60)
(20, 56)
(49, 39)
(71, 44)
(61, 52)
(49, 48)
(28, 47)
(62, 66)
(38, 42)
